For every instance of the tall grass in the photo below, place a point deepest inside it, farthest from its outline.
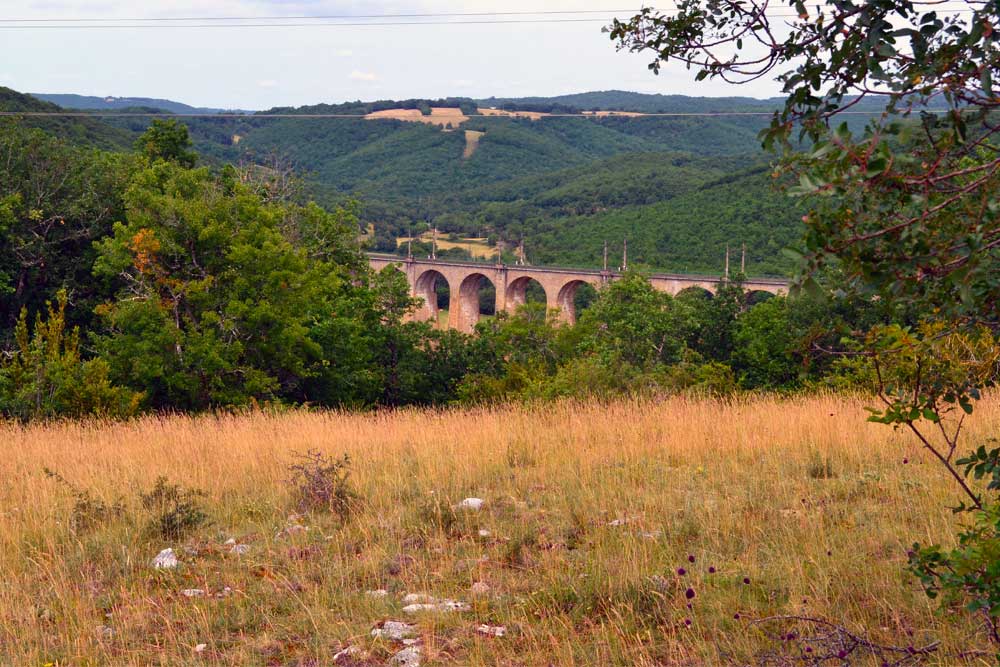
(801, 497)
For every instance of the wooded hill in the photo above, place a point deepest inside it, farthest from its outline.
(680, 188)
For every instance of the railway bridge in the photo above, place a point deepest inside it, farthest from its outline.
(464, 280)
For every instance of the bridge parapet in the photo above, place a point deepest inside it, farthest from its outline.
(464, 280)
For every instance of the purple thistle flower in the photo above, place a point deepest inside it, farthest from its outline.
(746, 580)
(711, 570)
(687, 622)
(841, 654)
(690, 559)
(681, 571)
(689, 593)
(736, 616)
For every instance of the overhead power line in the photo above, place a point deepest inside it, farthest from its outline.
(354, 20)
(323, 16)
(599, 115)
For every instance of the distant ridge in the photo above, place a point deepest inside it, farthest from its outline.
(94, 103)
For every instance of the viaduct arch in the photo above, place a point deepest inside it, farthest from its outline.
(464, 280)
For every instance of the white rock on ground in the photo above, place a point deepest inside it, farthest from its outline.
(394, 630)
(419, 598)
(378, 593)
(345, 655)
(193, 592)
(442, 605)
(200, 647)
(491, 630)
(239, 549)
(480, 588)
(408, 657)
(165, 560)
(474, 504)
(484, 533)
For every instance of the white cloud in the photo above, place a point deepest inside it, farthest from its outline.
(358, 75)
(345, 53)
(267, 83)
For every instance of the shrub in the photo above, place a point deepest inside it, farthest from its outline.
(88, 512)
(176, 509)
(321, 483)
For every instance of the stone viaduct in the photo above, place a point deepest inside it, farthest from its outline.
(464, 280)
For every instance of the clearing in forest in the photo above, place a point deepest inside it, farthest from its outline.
(472, 138)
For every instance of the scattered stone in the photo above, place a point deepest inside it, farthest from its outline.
(652, 535)
(473, 504)
(165, 560)
(238, 549)
(484, 533)
(193, 592)
(418, 598)
(394, 631)
(349, 655)
(492, 630)
(480, 588)
(622, 521)
(379, 593)
(104, 632)
(230, 541)
(200, 647)
(408, 657)
(441, 605)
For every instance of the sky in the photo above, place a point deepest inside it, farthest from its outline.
(260, 68)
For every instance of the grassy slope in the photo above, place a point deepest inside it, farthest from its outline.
(741, 486)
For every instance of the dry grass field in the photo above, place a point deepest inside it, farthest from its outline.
(479, 248)
(439, 116)
(771, 507)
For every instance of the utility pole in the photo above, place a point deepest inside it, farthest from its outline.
(743, 260)
(605, 256)
(727, 262)
(409, 243)
(520, 252)
(625, 255)
(434, 243)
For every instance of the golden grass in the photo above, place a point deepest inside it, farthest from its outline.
(727, 482)
(476, 247)
(439, 116)
(472, 138)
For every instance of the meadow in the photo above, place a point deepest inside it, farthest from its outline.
(667, 532)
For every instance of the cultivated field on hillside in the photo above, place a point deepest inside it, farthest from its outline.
(628, 533)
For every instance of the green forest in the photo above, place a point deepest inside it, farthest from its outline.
(139, 274)
(559, 186)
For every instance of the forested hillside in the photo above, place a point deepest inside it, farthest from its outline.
(680, 188)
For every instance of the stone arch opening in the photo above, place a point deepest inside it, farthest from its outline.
(566, 301)
(524, 290)
(468, 305)
(433, 288)
(756, 296)
(696, 292)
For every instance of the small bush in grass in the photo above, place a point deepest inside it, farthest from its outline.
(321, 483)
(88, 512)
(176, 509)
(820, 467)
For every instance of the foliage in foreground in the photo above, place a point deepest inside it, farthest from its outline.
(907, 210)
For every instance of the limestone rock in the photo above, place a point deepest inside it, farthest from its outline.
(472, 504)
(492, 630)
(193, 592)
(394, 631)
(165, 560)
(408, 657)
(480, 588)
